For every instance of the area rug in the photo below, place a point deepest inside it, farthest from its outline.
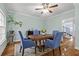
(28, 51)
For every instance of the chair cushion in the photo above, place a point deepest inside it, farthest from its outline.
(26, 39)
(28, 43)
(49, 43)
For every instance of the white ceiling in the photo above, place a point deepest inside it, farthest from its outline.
(29, 8)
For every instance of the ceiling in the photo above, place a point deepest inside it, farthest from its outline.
(29, 8)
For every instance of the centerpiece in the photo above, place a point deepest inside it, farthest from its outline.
(43, 31)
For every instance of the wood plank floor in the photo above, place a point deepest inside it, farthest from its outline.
(9, 51)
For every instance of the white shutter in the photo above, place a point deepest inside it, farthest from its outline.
(2, 27)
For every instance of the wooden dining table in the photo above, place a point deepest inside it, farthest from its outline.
(39, 38)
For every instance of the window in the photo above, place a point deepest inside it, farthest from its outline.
(68, 26)
(2, 27)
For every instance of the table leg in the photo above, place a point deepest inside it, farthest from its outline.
(43, 46)
(12, 38)
(40, 47)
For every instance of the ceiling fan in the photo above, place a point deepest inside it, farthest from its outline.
(46, 6)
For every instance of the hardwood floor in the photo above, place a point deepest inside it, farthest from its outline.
(9, 51)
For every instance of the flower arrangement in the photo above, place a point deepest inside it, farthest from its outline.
(43, 30)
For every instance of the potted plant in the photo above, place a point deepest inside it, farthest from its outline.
(13, 22)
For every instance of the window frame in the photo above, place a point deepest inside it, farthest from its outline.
(68, 21)
(2, 40)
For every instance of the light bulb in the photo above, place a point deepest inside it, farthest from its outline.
(45, 10)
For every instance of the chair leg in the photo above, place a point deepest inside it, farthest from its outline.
(35, 50)
(22, 52)
(20, 48)
(35, 46)
(53, 52)
(60, 50)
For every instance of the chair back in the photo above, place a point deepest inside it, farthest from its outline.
(57, 39)
(55, 32)
(36, 32)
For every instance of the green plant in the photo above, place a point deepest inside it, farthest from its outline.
(14, 22)
(18, 23)
(43, 30)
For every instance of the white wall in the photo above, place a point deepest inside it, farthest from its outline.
(32, 22)
(29, 22)
(55, 22)
(76, 25)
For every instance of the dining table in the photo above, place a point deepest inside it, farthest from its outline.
(40, 38)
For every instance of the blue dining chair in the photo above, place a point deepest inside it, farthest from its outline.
(55, 32)
(25, 43)
(55, 43)
(36, 32)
